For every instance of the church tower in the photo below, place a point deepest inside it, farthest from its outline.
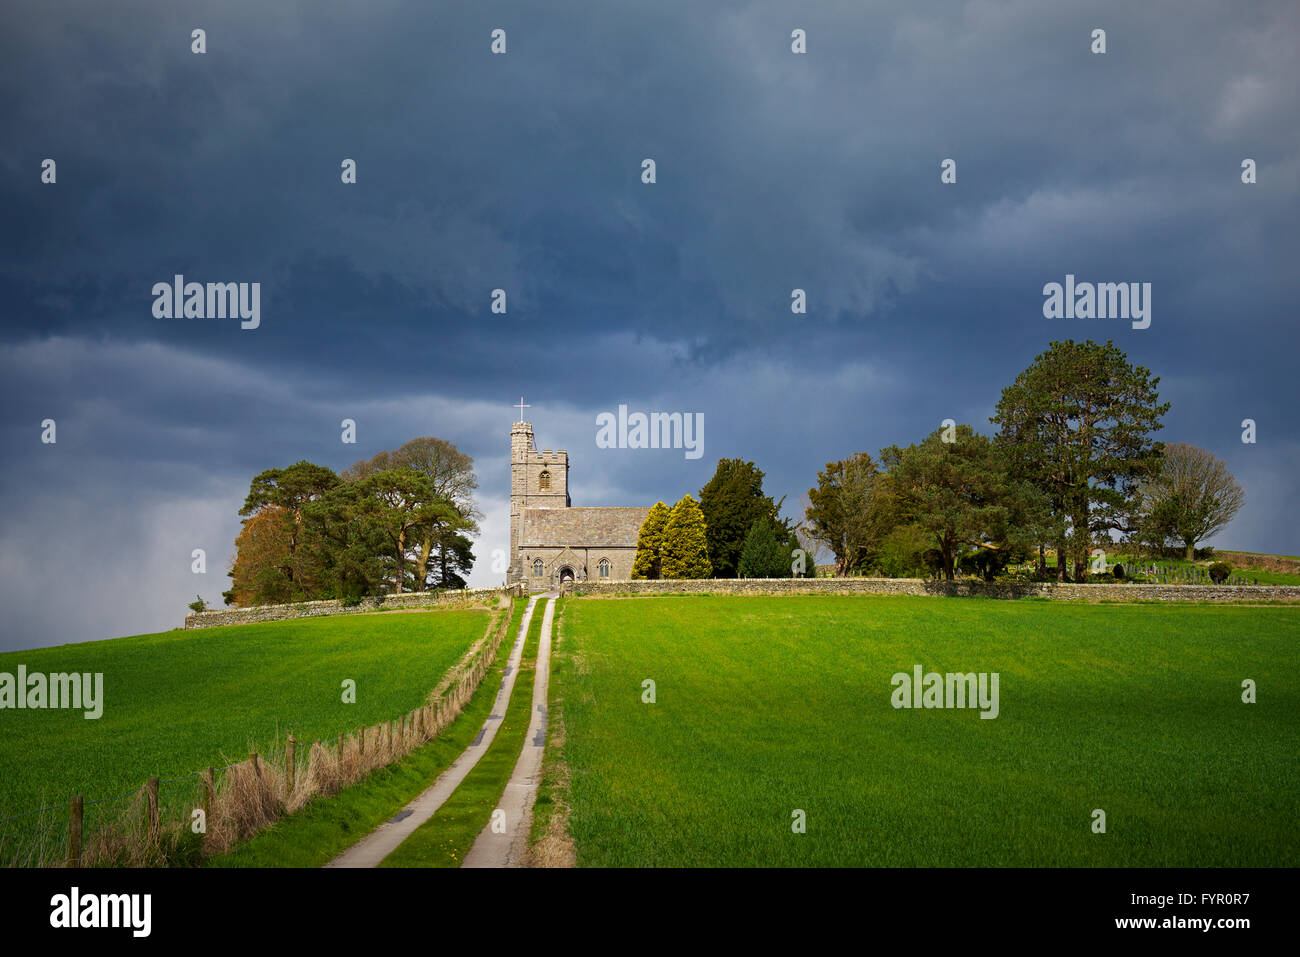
(551, 542)
(538, 479)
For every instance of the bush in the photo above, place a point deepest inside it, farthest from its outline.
(1219, 572)
(198, 605)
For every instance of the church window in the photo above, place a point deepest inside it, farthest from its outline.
(537, 568)
(604, 568)
(544, 481)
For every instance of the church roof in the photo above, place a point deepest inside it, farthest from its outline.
(584, 527)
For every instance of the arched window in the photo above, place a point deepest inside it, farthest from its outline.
(544, 481)
(537, 568)
(604, 568)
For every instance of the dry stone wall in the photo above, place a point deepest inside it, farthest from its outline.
(1064, 591)
(312, 609)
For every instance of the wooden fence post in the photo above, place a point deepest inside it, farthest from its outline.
(209, 795)
(75, 810)
(151, 795)
(340, 750)
(290, 761)
(361, 741)
(257, 767)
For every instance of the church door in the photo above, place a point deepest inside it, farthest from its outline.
(566, 574)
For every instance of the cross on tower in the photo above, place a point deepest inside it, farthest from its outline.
(522, 406)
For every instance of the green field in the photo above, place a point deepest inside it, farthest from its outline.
(770, 705)
(180, 701)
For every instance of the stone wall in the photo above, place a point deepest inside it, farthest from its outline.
(312, 609)
(1066, 591)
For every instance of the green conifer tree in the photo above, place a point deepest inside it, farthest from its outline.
(764, 554)
(650, 542)
(686, 549)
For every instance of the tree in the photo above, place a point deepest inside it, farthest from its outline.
(650, 542)
(284, 493)
(731, 502)
(843, 513)
(1190, 496)
(451, 562)
(956, 492)
(398, 520)
(686, 547)
(407, 510)
(263, 569)
(451, 473)
(1077, 425)
(342, 539)
(765, 554)
(902, 552)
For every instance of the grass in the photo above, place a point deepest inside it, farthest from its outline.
(768, 705)
(444, 839)
(548, 837)
(179, 701)
(551, 787)
(328, 826)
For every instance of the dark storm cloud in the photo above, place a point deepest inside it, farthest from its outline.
(522, 172)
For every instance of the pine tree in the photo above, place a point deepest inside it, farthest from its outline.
(685, 549)
(650, 542)
(1078, 424)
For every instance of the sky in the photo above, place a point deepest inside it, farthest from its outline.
(522, 171)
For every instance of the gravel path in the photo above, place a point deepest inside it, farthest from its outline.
(509, 848)
(382, 841)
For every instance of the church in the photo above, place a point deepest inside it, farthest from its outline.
(551, 541)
